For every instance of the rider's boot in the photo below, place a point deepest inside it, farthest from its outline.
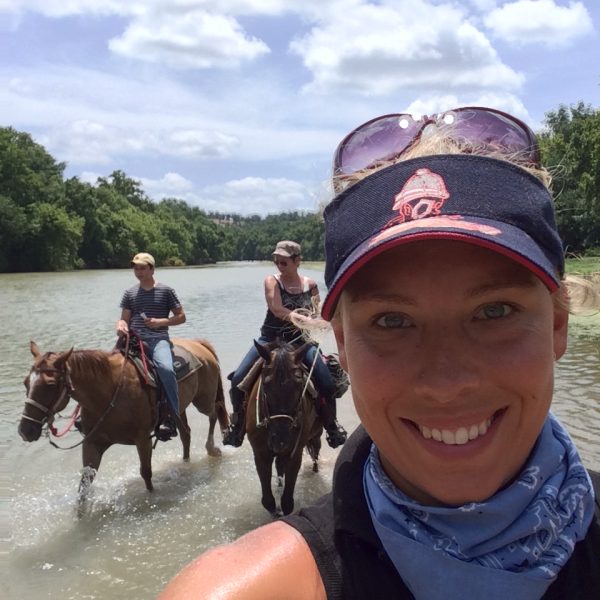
(335, 434)
(166, 424)
(234, 435)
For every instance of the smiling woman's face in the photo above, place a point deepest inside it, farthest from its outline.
(450, 350)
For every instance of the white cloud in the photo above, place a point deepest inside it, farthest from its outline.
(540, 22)
(169, 186)
(188, 40)
(377, 50)
(84, 142)
(255, 195)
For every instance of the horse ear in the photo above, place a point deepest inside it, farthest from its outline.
(34, 349)
(263, 350)
(300, 352)
(62, 359)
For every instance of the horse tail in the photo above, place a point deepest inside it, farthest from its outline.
(220, 405)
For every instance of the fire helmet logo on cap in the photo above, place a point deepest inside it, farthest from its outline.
(423, 195)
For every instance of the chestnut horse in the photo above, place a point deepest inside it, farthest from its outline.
(116, 406)
(281, 421)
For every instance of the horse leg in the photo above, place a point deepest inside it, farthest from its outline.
(280, 463)
(264, 465)
(184, 432)
(91, 454)
(144, 450)
(291, 474)
(314, 448)
(211, 449)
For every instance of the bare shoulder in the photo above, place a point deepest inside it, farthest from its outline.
(269, 563)
(270, 281)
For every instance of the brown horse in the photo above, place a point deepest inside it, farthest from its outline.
(117, 407)
(281, 421)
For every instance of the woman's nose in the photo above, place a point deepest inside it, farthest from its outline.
(449, 367)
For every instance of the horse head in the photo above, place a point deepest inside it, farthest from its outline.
(48, 386)
(283, 383)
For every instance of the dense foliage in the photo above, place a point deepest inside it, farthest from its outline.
(570, 147)
(48, 223)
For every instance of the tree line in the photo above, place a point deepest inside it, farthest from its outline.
(50, 223)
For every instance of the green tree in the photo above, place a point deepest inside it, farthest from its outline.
(570, 147)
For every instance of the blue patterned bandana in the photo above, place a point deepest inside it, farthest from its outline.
(511, 546)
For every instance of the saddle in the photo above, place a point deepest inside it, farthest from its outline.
(184, 362)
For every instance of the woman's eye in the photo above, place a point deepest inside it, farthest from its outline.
(495, 311)
(392, 321)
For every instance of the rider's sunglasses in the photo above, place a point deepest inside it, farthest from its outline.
(280, 261)
(388, 136)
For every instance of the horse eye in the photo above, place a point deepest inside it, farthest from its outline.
(268, 379)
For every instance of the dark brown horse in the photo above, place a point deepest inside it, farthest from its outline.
(281, 421)
(117, 407)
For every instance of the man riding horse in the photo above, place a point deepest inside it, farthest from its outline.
(146, 308)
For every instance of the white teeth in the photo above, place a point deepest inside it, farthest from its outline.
(460, 436)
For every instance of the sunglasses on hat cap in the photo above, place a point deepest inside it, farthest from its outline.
(388, 136)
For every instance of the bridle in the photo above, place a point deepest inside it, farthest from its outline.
(66, 388)
(263, 406)
(262, 402)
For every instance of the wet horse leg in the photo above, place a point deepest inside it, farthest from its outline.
(185, 434)
(144, 450)
(211, 449)
(91, 454)
(264, 464)
(314, 448)
(291, 475)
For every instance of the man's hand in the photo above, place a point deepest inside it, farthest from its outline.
(122, 327)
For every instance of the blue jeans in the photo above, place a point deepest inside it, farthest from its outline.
(162, 358)
(321, 375)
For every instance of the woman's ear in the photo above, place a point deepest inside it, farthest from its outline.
(561, 327)
(338, 332)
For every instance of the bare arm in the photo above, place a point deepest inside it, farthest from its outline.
(122, 325)
(269, 563)
(273, 298)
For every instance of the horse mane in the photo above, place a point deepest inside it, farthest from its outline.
(90, 362)
(280, 364)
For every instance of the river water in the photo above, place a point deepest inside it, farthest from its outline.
(131, 542)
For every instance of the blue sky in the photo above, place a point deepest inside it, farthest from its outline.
(238, 105)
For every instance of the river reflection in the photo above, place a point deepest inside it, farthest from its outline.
(131, 542)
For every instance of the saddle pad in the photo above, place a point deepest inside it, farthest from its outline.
(184, 362)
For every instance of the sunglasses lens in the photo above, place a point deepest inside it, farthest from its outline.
(387, 137)
(496, 130)
(380, 139)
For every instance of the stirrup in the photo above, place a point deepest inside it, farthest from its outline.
(335, 435)
(234, 434)
(166, 431)
(231, 437)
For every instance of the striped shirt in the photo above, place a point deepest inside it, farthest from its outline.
(157, 303)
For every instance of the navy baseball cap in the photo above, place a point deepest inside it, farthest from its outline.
(475, 199)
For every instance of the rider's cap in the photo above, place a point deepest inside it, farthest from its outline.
(287, 249)
(143, 258)
(474, 199)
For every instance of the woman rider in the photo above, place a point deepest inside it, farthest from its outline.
(286, 292)
(449, 304)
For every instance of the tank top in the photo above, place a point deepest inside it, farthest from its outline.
(274, 327)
